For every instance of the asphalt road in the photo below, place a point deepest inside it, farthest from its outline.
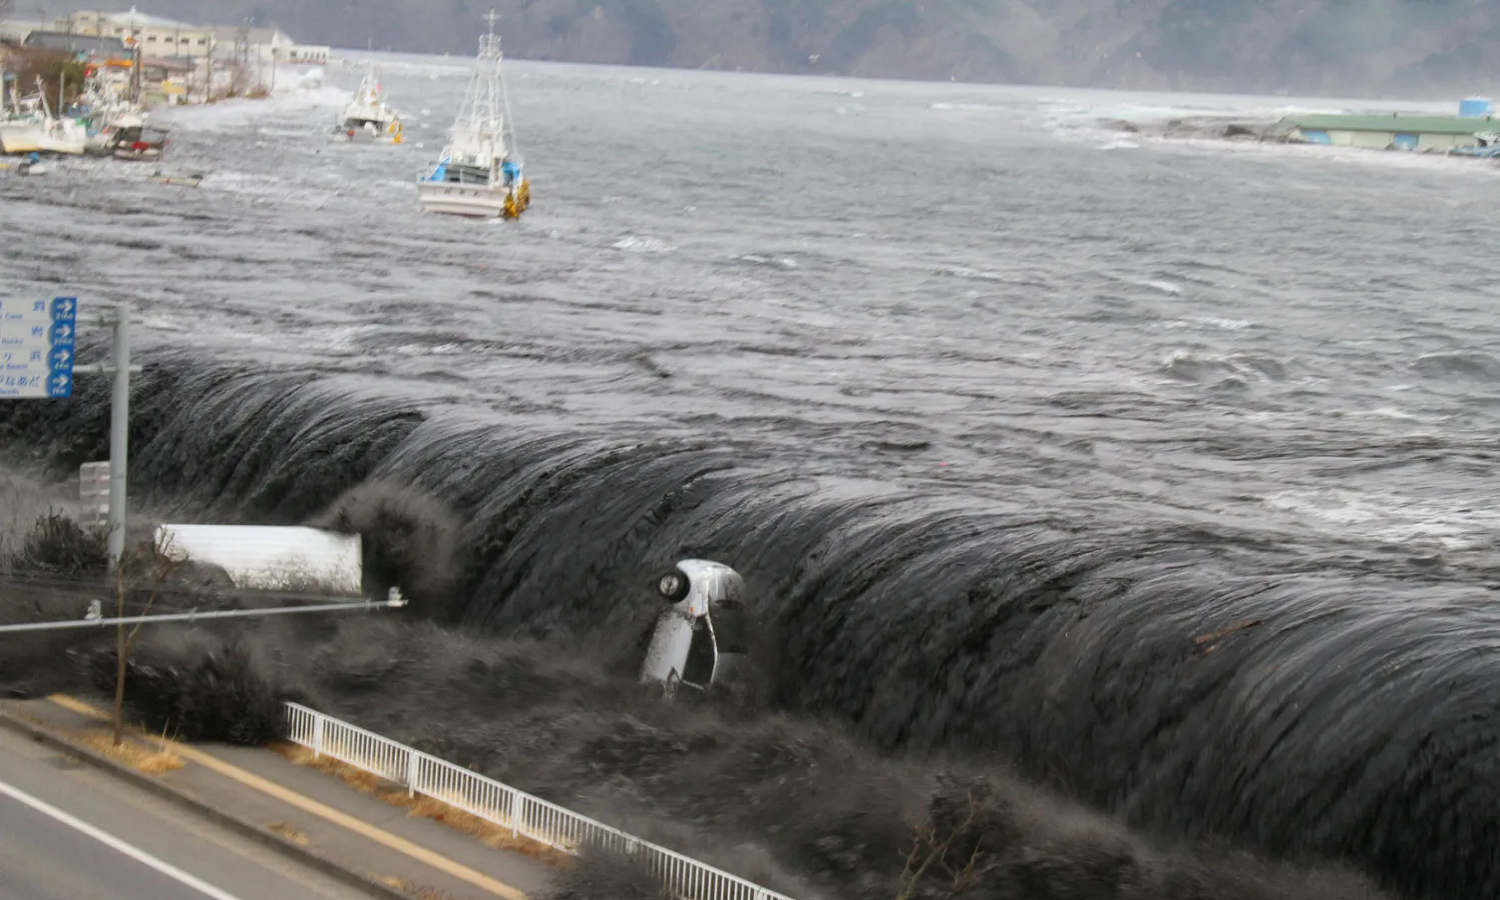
(70, 832)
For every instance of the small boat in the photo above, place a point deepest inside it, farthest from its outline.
(1487, 146)
(367, 114)
(177, 180)
(128, 137)
(479, 171)
(31, 165)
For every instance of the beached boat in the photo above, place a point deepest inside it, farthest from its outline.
(116, 126)
(128, 137)
(27, 125)
(479, 171)
(367, 114)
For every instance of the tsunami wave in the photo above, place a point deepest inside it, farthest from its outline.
(1304, 701)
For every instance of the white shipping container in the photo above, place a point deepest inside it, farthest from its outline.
(271, 557)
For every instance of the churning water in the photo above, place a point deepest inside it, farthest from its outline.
(998, 409)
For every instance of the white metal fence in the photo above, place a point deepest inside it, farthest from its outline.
(523, 814)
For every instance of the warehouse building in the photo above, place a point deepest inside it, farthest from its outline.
(1474, 126)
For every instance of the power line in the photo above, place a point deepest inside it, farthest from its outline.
(95, 619)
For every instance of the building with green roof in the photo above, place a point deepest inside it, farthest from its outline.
(1477, 126)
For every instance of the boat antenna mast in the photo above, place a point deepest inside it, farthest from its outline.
(369, 83)
(484, 112)
(508, 125)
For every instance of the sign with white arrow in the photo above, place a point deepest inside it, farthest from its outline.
(37, 340)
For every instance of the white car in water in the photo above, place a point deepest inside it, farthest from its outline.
(701, 639)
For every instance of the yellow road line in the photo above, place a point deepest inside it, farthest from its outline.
(307, 804)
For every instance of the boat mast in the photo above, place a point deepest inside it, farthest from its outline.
(480, 119)
(508, 132)
(41, 96)
(369, 86)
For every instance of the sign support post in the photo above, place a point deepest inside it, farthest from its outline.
(119, 435)
(119, 424)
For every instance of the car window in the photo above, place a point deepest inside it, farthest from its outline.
(731, 624)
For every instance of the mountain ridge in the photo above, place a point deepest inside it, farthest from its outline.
(1398, 47)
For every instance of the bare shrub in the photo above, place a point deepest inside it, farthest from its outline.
(198, 687)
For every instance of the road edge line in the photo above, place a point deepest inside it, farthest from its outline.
(227, 820)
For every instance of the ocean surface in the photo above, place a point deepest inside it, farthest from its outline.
(998, 408)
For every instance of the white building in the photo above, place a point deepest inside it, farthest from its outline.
(254, 54)
(168, 39)
(158, 37)
(269, 44)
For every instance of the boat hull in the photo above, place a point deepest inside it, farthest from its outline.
(29, 138)
(385, 130)
(453, 199)
(147, 155)
(21, 138)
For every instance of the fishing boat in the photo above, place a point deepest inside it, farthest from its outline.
(27, 125)
(479, 171)
(367, 114)
(116, 126)
(20, 126)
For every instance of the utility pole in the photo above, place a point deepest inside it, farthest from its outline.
(135, 69)
(119, 434)
(119, 423)
(208, 78)
(241, 55)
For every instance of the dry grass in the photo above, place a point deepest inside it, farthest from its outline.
(488, 833)
(416, 890)
(283, 829)
(143, 758)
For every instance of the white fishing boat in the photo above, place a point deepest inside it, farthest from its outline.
(22, 128)
(367, 114)
(27, 125)
(21, 135)
(111, 120)
(479, 171)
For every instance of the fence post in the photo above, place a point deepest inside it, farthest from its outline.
(517, 810)
(317, 735)
(413, 761)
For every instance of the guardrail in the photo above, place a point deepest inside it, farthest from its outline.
(507, 807)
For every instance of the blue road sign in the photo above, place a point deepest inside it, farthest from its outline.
(37, 341)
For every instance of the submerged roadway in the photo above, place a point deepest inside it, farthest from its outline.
(68, 832)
